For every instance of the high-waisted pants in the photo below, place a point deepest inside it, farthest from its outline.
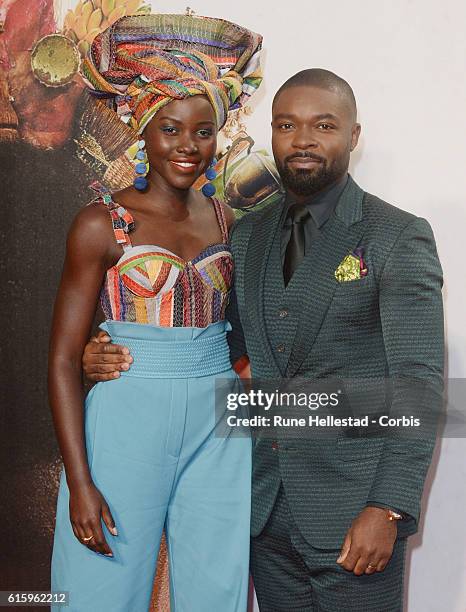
(162, 458)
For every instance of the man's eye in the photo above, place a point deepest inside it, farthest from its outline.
(285, 126)
(325, 126)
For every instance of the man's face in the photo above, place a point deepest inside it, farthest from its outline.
(313, 132)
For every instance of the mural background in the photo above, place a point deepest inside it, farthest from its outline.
(406, 62)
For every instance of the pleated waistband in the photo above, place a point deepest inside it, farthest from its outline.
(172, 352)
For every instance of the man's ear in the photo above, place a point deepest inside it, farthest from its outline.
(355, 132)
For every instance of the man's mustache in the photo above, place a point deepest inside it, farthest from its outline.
(304, 156)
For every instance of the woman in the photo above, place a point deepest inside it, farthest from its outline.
(144, 456)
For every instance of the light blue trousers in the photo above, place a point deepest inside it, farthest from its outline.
(157, 458)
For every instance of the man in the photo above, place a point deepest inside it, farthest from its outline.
(334, 282)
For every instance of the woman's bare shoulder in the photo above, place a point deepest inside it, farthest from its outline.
(126, 197)
(93, 217)
(92, 229)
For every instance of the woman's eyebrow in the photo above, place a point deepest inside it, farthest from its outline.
(174, 120)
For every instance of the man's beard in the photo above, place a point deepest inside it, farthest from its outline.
(304, 182)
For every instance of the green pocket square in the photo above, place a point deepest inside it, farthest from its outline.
(352, 267)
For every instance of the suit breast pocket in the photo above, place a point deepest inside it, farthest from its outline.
(355, 302)
(362, 284)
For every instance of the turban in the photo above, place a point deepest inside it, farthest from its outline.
(143, 62)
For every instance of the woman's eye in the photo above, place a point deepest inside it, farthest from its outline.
(205, 133)
(168, 129)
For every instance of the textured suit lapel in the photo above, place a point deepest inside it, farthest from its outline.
(261, 240)
(315, 279)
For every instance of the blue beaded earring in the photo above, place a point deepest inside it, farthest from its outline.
(141, 166)
(208, 189)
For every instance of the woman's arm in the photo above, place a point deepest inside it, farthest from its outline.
(88, 254)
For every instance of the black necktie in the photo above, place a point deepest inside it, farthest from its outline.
(298, 213)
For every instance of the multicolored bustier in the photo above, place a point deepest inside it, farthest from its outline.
(150, 284)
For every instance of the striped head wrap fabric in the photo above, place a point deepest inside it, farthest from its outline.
(143, 62)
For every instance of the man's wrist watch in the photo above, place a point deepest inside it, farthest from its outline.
(394, 516)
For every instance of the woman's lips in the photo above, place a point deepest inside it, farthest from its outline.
(185, 167)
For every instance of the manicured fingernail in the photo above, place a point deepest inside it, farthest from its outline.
(113, 530)
(116, 374)
(125, 366)
(125, 351)
(339, 559)
(108, 555)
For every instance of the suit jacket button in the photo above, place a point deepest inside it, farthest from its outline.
(274, 445)
(283, 313)
(281, 348)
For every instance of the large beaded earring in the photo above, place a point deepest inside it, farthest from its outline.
(209, 189)
(138, 156)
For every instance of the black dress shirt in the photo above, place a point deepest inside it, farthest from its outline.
(321, 207)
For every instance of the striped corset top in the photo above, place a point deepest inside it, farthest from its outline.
(150, 284)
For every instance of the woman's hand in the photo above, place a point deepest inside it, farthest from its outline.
(87, 508)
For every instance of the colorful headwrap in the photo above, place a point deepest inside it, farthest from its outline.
(143, 62)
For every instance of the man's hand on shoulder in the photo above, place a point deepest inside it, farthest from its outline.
(103, 360)
(229, 215)
(368, 545)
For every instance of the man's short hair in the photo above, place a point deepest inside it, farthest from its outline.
(322, 79)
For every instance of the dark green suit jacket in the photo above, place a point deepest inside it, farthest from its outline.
(387, 324)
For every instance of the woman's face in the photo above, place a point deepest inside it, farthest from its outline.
(181, 141)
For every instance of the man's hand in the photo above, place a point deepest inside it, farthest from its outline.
(103, 360)
(369, 542)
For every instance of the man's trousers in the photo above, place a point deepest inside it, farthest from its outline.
(292, 576)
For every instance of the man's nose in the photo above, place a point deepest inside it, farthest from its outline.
(304, 139)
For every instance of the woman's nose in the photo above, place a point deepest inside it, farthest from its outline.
(187, 145)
